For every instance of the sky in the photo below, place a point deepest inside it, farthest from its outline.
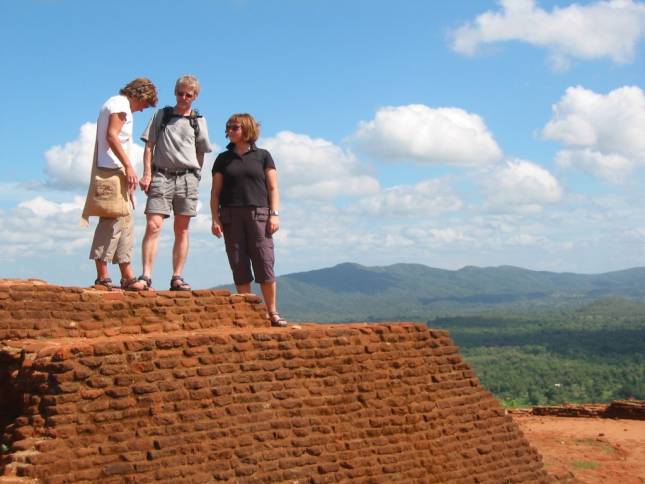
(449, 134)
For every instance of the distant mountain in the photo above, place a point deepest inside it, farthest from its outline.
(352, 292)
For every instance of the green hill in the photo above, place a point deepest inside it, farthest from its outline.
(351, 292)
(533, 337)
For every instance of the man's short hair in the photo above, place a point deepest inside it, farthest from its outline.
(250, 127)
(141, 89)
(189, 81)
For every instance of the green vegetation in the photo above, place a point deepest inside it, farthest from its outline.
(590, 354)
(533, 337)
(585, 464)
(414, 292)
(604, 446)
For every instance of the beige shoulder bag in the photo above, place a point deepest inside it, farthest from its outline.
(107, 195)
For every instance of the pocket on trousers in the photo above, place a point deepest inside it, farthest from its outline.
(192, 186)
(225, 215)
(156, 188)
(261, 214)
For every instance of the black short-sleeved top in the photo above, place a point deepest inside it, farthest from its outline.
(244, 177)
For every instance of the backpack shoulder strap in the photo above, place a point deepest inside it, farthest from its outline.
(192, 119)
(165, 119)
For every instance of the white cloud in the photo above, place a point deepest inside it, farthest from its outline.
(426, 199)
(68, 166)
(315, 168)
(602, 134)
(41, 227)
(522, 186)
(42, 207)
(427, 135)
(611, 167)
(603, 29)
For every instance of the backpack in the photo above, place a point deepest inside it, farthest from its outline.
(168, 114)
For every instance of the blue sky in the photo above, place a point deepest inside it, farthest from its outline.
(446, 133)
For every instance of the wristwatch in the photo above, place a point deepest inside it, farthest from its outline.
(274, 212)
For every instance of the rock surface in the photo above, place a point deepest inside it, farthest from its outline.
(197, 387)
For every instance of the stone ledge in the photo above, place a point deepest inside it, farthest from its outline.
(30, 310)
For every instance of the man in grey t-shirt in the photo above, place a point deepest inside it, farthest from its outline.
(176, 140)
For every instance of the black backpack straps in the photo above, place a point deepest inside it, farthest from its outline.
(192, 119)
(165, 119)
(169, 113)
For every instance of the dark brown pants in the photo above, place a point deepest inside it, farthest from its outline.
(248, 243)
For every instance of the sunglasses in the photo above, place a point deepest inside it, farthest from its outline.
(187, 95)
(233, 127)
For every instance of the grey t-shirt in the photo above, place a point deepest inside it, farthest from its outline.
(175, 147)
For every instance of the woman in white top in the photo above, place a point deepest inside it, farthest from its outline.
(113, 238)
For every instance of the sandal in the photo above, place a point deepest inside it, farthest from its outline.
(277, 320)
(107, 283)
(128, 284)
(177, 283)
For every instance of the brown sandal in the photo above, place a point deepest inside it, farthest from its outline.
(277, 320)
(128, 284)
(107, 283)
(177, 283)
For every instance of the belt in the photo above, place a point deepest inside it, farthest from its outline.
(180, 172)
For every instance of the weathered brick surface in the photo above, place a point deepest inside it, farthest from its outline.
(316, 403)
(36, 311)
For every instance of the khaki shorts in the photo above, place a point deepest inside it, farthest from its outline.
(113, 240)
(173, 193)
(248, 243)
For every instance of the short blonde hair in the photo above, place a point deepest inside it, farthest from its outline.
(141, 89)
(189, 81)
(250, 127)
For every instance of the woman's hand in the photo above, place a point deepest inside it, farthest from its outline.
(216, 228)
(274, 224)
(131, 177)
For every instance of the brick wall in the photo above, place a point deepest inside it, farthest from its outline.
(38, 311)
(227, 401)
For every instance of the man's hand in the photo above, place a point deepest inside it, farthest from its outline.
(216, 228)
(144, 182)
(131, 177)
(274, 224)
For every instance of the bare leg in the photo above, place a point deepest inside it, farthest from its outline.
(154, 222)
(101, 269)
(269, 294)
(126, 271)
(180, 248)
(243, 288)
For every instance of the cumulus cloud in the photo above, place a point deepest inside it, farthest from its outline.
(610, 167)
(68, 166)
(520, 185)
(602, 134)
(428, 135)
(427, 198)
(603, 29)
(42, 207)
(315, 168)
(41, 226)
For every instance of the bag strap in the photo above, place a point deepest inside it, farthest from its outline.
(96, 148)
(169, 113)
(165, 118)
(85, 217)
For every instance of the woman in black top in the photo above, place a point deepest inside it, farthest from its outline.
(244, 206)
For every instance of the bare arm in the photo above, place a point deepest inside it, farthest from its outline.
(200, 159)
(144, 183)
(115, 123)
(216, 189)
(274, 198)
